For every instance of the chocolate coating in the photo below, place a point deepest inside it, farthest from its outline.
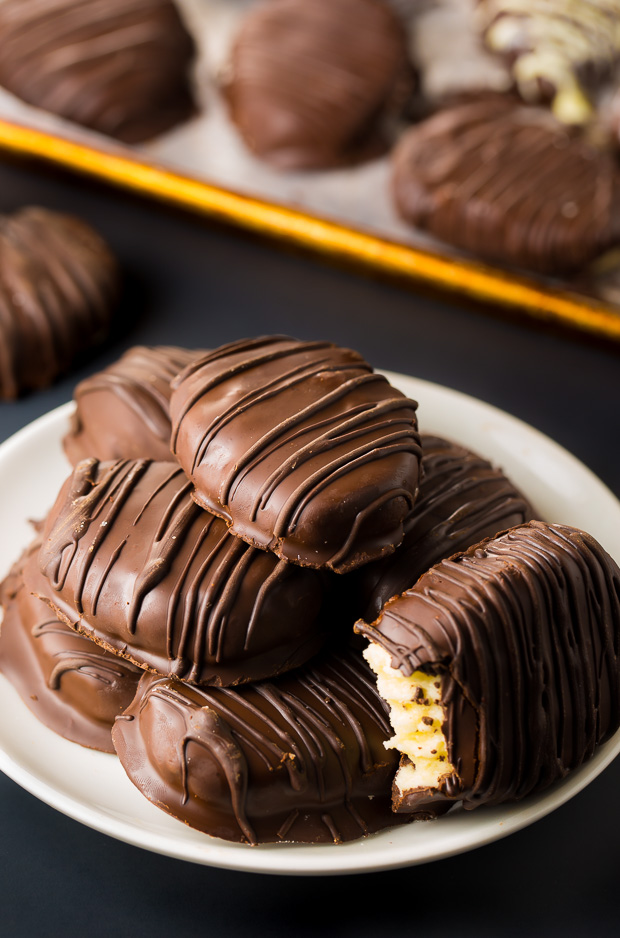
(300, 447)
(138, 566)
(463, 499)
(314, 85)
(58, 285)
(557, 51)
(297, 759)
(524, 630)
(509, 184)
(117, 66)
(123, 412)
(71, 684)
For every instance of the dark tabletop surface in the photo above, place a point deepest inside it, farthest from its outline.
(191, 283)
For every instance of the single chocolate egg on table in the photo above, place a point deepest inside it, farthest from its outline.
(510, 184)
(301, 447)
(58, 287)
(134, 563)
(120, 67)
(463, 499)
(500, 667)
(314, 85)
(123, 412)
(71, 684)
(558, 51)
(300, 758)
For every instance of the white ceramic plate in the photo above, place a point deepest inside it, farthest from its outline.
(92, 787)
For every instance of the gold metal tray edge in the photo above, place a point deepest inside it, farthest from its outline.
(317, 234)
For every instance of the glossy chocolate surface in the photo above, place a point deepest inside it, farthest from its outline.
(300, 758)
(58, 286)
(508, 183)
(314, 85)
(558, 51)
(524, 631)
(137, 565)
(117, 66)
(463, 499)
(301, 447)
(70, 683)
(123, 412)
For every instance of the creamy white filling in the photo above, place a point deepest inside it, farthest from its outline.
(417, 716)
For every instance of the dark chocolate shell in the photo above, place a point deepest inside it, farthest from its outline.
(137, 565)
(315, 84)
(299, 759)
(71, 684)
(558, 52)
(523, 633)
(58, 286)
(463, 499)
(509, 184)
(300, 447)
(123, 412)
(120, 67)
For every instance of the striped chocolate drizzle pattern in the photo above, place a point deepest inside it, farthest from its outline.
(58, 283)
(508, 183)
(141, 380)
(71, 684)
(462, 499)
(568, 47)
(306, 744)
(183, 574)
(307, 90)
(118, 66)
(525, 631)
(321, 414)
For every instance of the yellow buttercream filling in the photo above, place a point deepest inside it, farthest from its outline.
(417, 717)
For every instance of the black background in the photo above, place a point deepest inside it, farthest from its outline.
(195, 284)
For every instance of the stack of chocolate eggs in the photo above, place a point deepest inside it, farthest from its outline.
(190, 601)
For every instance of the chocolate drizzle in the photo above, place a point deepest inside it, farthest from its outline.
(123, 412)
(557, 51)
(300, 447)
(118, 66)
(462, 500)
(509, 184)
(58, 285)
(139, 567)
(300, 758)
(70, 683)
(524, 632)
(313, 85)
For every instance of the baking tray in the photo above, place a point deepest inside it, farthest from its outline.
(345, 215)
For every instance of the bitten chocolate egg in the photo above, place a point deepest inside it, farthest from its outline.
(463, 499)
(117, 66)
(71, 684)
(501, 667)
(134, 563)
(313, 85)
(508, 183)
(299, 759)
(123, 412)
(301, 447)
(58, 287)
